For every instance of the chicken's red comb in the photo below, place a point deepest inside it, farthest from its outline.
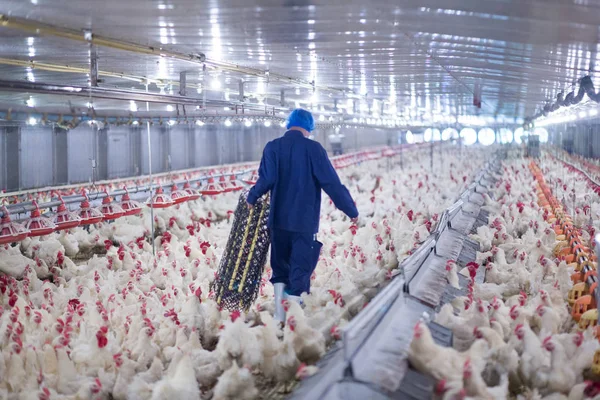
(522, 293)
(519, 327)
(473, 264)
(235, 315)
(546, 340)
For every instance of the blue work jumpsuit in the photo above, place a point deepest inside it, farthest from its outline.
(295, 169)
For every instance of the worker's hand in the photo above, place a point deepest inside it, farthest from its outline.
(354, 220)
(250, 206)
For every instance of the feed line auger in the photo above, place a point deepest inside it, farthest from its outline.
(239, 276)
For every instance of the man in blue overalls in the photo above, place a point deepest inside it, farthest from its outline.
(295, 169)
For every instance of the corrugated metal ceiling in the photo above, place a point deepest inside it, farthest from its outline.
(421, 56)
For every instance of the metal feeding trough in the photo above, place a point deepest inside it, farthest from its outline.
(160, 200)
(37, 224)
(11, 232)
(65, 219)
(130, 207)
(110, 210)
(211, 188)
(89, 215)
(178, 196)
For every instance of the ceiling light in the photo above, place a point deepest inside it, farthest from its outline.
(134, 123)
(215, 84)
(248, 123)
(200, 123)
(582, 114)
(170, 108)
(282, 124)
(268, 123)
(311, 21)
(31, 121)
(30, 102)
(132, 106)
(30, 41)
(362, 21)
(171, 122)
(227, 122)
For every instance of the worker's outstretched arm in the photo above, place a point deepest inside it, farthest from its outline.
(266, 176)
(330, 182)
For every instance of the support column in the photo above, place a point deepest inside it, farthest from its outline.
(12, 156)
(60, 156)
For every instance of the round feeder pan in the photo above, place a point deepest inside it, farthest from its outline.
(160, 200)
(37, 224)
(65, 219)
(11, 232)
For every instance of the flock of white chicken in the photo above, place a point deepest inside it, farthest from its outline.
(80, 323)
(513, 334)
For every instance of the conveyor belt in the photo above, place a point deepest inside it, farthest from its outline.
(371, 362)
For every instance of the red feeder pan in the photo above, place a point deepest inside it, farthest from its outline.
(253, 179)
(11, 232)
(110, 210)
(211, 188)
(193, 194)
(65, 219)
(88, 215)
(178, 196)
(129, 206)
(225, 185)
(160, 200)
(233, 185)
(37, 224)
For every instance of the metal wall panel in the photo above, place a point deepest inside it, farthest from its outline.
(81, 153)
(36, 157)
(179, 142)
(155, 136)
(189, 146)
(119, 152)
(206, 146)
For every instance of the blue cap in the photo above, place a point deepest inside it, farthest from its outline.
(302, 118)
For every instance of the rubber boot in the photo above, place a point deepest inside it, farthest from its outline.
(279, 314)
(297, 299)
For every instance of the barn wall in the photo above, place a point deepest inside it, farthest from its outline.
(35, 156)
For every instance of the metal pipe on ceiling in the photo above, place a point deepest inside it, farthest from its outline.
(80, 70)
(122, 94)
(40, 28)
